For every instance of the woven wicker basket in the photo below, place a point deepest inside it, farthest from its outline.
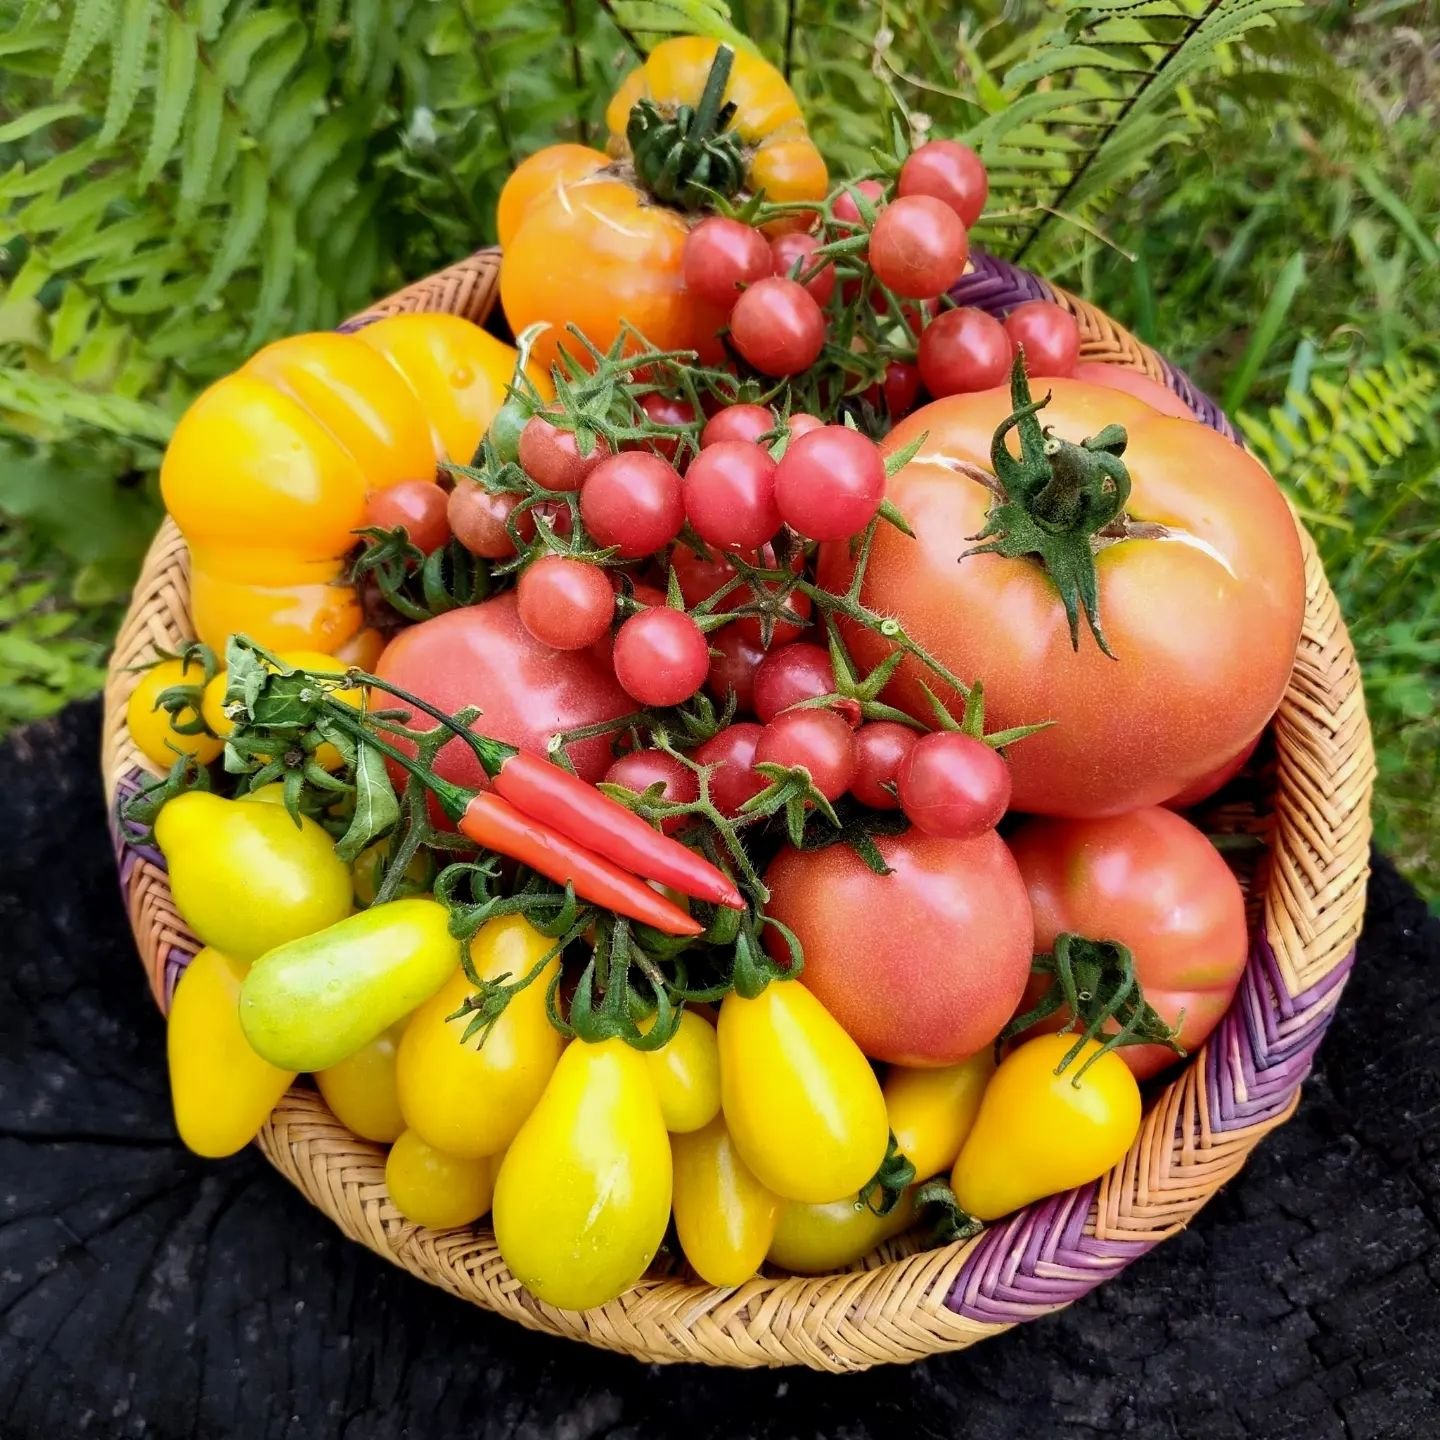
(1307, 896)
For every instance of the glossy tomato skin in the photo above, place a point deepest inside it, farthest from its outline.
(546, 170)
(918, 247)
(793, 256)
(949, 171)
(565, 603)
(817, 741)
(641, 769)
(735, 667)
(724, 1217)
(1133, 382)
(922, 966)
(789, 675)
(1049, 335)
(416, 506)
(429, 1187)
(953, 785)
(778, 326)
(1152, 881)
(820, 1239)
(964, 350)
(660, 656)
(737, 422)
(880, 748)
(686, 1074)
(483, 655)
(732, 752)
(361, 1089)
(1203, 627)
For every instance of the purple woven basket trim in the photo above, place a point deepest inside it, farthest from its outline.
(998, 286)
(128, 855)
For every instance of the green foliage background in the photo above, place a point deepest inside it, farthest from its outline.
(1252, 185)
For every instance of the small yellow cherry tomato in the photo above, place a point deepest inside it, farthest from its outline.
(246, 877)
(212, 703)
(1038, 1133)
(816, 1239)
(150, 727)
(800, 1100)
(469, 1099)
(552, 168)
(432, 1188)
(361, 1089)
(222, 1090)
(932, 1111)
(686, 1072)
(583, 1196)
(724, 1216)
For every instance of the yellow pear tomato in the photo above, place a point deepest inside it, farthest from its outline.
(724, 1216)
(361, 1089)
(801, 1102)
(686, 1072)
(1038, 1133)
(432, 1188)
(816, 1239)
(222, 1091)
(583, 1195)
(469, 1099)
(932, 1111)
(246, 878)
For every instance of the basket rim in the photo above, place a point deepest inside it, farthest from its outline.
(1196, 1134)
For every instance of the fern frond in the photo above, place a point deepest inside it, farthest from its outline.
(645, 22)
(1330, 438)
(90, 21)
(128, 46)
(1103, 91)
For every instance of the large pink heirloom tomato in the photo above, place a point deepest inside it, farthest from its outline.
(1201, 600)
(482, 655)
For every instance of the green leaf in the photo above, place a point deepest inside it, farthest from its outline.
(1266, 332)
(376, 808)
(128, 46)
(247, 217)
(201, 137)
(38, 119)
(174, 83)
(89, 22)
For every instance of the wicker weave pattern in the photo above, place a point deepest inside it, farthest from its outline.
(902, 1305)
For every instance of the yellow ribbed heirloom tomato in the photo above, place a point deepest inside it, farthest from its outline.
(222, 1091)
(547, 170)
(245, 877)
(724, 1216)
(269, 470)
(583, 1195)
(312, 1002)
(801, 1102)
(469, 1099)
(1038, 1133)
(432, 1188)
(150, 727)
(361, 1089)
(686, 1073)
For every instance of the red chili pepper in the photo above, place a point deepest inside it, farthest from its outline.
(578, 811)
(588, 816)
(495, 824)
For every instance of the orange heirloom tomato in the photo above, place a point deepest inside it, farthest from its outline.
(268, 471)
(595, 254)
(779, 156)
(550, 169)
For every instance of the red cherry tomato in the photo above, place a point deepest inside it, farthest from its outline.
(551, 456)
(661, 657)
(815, 740)
(789, 675)
(802, 423)
(1152, 881)
(416, 506)
(721, 256)
(922, 966)
(918, 247)
(777, 327)
(667, 410)
(953, 786)
(735, 666)
(900, 388)
(793, 256)
(846, 213)
(565, 604)
(730, 495)
(830, 483)
(880, 746)
(963, 350)
(1049, 335)
(732, 752)
(633, 501)
(738, 422)
(641, 769)
(951, 172)
(478, 516)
